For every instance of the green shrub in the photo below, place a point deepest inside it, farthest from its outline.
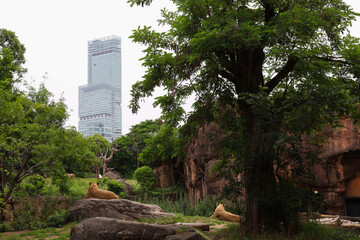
(103, 182)
(59, 218)
(35, 185)
(116, 187)
(49, 206)
(205, 207)
(25, 215)
(5, 227)
(145, 176)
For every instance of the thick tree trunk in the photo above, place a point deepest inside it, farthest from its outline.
(261, 211)
(261, 187)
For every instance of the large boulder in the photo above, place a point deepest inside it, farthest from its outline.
(115, 208)
(102, 228)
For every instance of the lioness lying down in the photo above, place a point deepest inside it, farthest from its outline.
(221, 213)
(95, 192)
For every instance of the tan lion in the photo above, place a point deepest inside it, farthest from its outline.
(221, 213)
(95, 192)
(71, 175)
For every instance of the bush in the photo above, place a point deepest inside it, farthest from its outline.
(5, 227)
(25, 215)
(116, 187)
(49, 206)
(59, 218)
(35, 185)
(103, 181)
(146, 178)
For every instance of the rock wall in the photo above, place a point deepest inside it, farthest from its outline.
(165, 175)
(202, 154)
(336, 177)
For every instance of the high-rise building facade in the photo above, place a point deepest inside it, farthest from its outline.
(100, 100)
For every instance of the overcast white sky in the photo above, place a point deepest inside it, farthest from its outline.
(55, 34)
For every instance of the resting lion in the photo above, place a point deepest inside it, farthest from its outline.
(221, 213)
(95, 192)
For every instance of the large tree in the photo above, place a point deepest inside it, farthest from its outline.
(275, 68)
(32, 133)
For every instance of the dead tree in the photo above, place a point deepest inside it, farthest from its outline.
(105, 160)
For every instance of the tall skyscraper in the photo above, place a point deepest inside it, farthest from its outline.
(100, 100)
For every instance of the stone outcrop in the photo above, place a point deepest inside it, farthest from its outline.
(337, 177)
(103, 228)
(128, 189)
(115, 208)
(202, 154)
(165, 175)
(99, 228)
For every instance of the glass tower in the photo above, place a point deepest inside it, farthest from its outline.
(100, 99)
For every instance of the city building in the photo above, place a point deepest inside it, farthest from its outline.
(100, 99)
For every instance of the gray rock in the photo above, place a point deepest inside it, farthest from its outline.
(115, 208)
(102, 228)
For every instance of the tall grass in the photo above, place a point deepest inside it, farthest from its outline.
(180, 204)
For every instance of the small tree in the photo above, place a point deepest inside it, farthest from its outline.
(140, 132)
(146, 178)
(101, 148)
(125, 159)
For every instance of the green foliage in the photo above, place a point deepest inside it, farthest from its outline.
(104, 181)
(79, 187)
(145, 176)
(75, 154)
(124, 161)
(180, 204)
(116, 187)
(25, 215)
(49, 207)
(98, 143)
(33, 139)
(314, 231)
(140, 133)
(59, 218)
(61, 180)
(35, 185)
(5, 227)
(163, 146)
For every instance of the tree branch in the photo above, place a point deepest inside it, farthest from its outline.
(289, 66)
(333, 59)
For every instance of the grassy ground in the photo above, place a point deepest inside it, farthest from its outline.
(44, 234)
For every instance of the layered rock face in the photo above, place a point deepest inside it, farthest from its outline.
(165, 175)
(337, 177)
(201, 156)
